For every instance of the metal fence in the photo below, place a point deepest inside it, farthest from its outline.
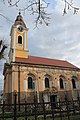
(40, 111)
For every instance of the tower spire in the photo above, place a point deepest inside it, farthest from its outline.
(19, 39)
(19, 13)
(19, 20)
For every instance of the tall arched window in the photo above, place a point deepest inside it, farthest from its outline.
(20, 39)
(73, 83)
(46, 83)
(61, 83)
(30, 83)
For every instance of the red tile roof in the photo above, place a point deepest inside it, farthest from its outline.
(45, 61)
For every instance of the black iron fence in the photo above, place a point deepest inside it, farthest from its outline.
(40, 111)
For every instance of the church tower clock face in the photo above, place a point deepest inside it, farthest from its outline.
(20, 29)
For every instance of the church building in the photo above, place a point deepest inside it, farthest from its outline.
(29, 75)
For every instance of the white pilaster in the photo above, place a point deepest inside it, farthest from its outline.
(58, 82)
(14, 46)
(25, 85)
(25, 41)
(43, 84)
(50, 83)
(37, 89)
(12, 79)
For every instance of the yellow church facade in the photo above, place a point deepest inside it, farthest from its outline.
(29, 75)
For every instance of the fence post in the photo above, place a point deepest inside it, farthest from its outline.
(78, 102)
(73, 106)
(44, 107)
(52, 106)
(60, 109)
(35, 103)
(3, 108)
(67, 107)
(25, 110)
(15, 109)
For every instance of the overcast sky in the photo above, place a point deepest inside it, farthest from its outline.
(60, 40)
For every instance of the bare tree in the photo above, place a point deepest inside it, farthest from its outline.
(39, 7)
(35, 7)
(2, 49)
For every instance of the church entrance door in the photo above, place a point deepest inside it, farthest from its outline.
(53, 99)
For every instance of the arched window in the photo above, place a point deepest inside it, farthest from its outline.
(30, 83)
(46, 83)
(61, 83)
(73, 83)
(20, 39)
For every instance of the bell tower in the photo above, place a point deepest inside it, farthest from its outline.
(19, 39)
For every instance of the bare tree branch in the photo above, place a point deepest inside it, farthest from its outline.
(2, 49)
(38, 8)
(69, 6)
(11, 2)
(15, 4)
(6, 18)
(0, 43)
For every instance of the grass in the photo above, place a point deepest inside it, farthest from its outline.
(76, 117)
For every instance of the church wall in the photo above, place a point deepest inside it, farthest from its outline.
(10, 82)
(21, 54)
(22, 82)
(6, 85)
(39, 72)
(55, 76)
(6, 82)
(15, 79)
